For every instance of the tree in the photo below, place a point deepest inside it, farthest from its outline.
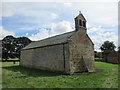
(98, 54)
(108, 46)
(20, 43)
(12, 46)
(8, 47)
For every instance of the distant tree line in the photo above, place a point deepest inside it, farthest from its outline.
(11, 46)
(98, 55)
(107, 47)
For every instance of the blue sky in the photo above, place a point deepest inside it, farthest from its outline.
(39, 20)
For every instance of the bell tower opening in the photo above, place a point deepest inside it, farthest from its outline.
(84, 24)
(80, 22)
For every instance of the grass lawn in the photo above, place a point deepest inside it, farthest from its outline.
(11, 59)
(15, 76)
(98, 58)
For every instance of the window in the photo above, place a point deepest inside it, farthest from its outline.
(80, 22)
(84, 24)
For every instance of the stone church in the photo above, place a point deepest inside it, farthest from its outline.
(68, 53)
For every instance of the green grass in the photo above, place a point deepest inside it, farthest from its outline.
(15, 76)
(98, 58)
(11, 59)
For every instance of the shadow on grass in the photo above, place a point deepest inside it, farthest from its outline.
(41, 73)
(31, 72)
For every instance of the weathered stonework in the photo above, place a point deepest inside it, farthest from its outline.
(112, 57)
(50, 58)
(80, 47)
(67, 53)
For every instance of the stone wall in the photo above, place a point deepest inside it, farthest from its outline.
(80, 47)
(113, 58)
(46, 58)
(75, 56)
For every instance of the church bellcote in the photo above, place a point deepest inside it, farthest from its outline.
(80, 22)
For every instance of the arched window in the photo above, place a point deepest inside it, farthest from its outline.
(84, 24)
(80, 22)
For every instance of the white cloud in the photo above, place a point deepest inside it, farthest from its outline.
(60, 28)
(99, 29)
(102, 13)
(31, 12)
(27, 34)
(54, 16)
(43, 33)
(98, 35)
(4, 32)
(27, 28)
(68, 4)
(8, 10)
(60, 0)
(0, 9)
(56, 28)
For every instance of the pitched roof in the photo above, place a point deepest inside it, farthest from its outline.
(90, 39)
(62, 38)
(80, 16)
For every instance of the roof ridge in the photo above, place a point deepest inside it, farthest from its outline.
(58, 39)
(55, 36)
